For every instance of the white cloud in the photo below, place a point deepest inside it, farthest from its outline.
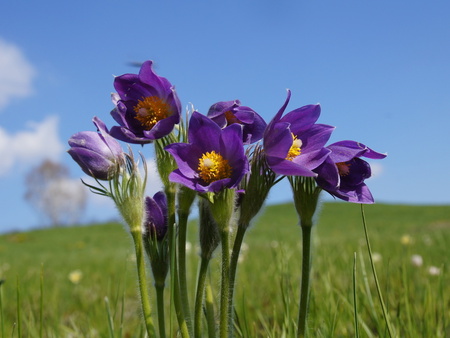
(377, 169)
(16, 73)
(40, 141)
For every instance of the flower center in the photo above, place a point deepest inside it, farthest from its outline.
(231, 118)
(343, 168)
(296, 148)
(150, 110)
(213, 167)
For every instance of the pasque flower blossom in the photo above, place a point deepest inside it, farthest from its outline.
(213, 159)
(156, 215)
(225, 113)
(294, 144)
(343, 173)
(147, 106)
(97, 153)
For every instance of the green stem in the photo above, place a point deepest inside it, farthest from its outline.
(182, 226)
(209, 306)
(225, 284)
(374, 272)
(143, 289)
(304, 289)
(175, 286)
(242, 228)
(199, 297)
(160, 306)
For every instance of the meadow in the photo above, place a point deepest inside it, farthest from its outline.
(80, 281)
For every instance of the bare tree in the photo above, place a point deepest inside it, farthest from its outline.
(59, 199)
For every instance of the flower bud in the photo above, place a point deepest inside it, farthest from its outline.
(97, 153)
(156, 220)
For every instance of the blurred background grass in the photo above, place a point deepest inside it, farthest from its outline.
(82, 265)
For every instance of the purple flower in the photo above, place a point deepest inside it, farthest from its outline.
(156, 215)
(147, 107)
(213, 160)
(226, 113)
(97, 153)
(343, 173)
(294, 144)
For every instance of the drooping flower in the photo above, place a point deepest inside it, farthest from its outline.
(97, 153)
(344, 172)
(213, 159)
(295, 144)
(225, 113)
(156, 215)
(147, 106)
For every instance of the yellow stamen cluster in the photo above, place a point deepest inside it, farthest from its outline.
(296, 148)
(213, 167)
(150, 110)
(343, 168)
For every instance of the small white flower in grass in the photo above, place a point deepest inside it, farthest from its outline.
(274, 244)
(434, 271)
(376, 257)
(75, 276)
(417, 260)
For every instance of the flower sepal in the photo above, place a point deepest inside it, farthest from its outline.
(222, 205)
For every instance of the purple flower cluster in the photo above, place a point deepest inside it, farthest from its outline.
(147, 108)
(295, 146)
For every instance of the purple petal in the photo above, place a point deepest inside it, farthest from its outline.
(312, 160)
(204, 132)
(278, 141)
(278, 115)
(328, 175)
(91, 162)
(315, 137)
(301, 119)
(148, 76)
(187, 157)
(346, 150)
(288, 168)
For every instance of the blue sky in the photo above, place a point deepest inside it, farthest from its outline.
(380, 71)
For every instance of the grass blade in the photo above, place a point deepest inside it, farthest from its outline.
(355, 305)
(110, 320)
(374, 272)
(19, 320)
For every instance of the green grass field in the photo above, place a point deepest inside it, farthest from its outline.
(56, 280)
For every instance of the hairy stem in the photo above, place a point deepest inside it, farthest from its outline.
(304, 288)
(182, 226)
(225, 283)
(142, 279)
(160, 306)
(201, 283)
